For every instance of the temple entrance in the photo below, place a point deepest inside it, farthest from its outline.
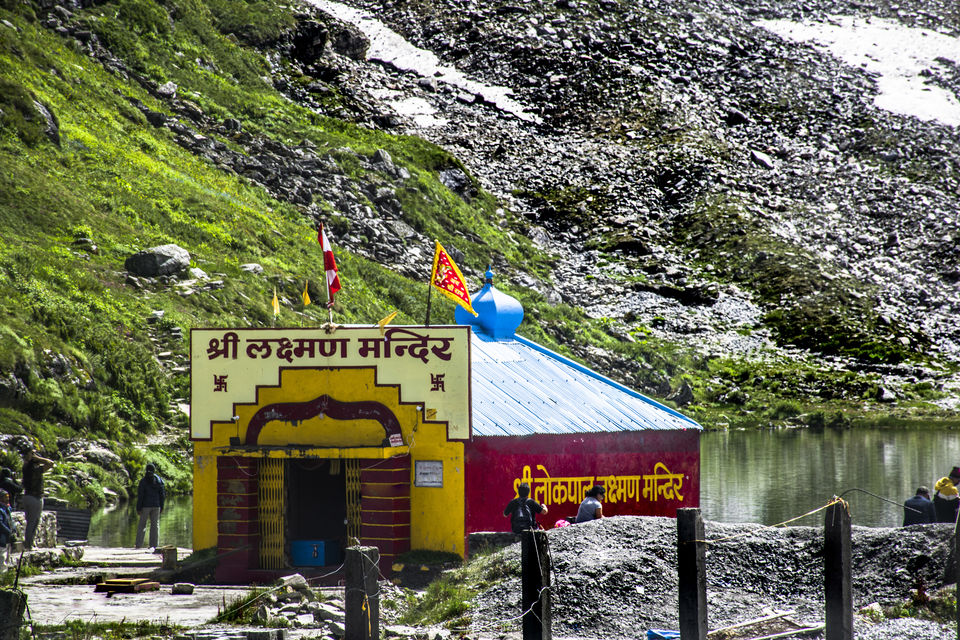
(316, 512)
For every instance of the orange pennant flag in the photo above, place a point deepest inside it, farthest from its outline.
(448, 279)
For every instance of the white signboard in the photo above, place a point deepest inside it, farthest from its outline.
(430, 365)
(428, 473)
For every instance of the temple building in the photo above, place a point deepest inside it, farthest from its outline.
(308, 440)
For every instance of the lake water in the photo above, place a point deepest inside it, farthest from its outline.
(765, 477)
(117, 526)
(771, 476)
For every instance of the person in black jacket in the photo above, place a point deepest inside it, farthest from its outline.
(150, 497)
(7, 529)
(11, 486)
(34, 466)
(919, 509)
(523, 510)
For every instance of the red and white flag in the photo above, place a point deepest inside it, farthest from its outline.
(329, 265)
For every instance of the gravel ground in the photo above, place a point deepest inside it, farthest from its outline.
(617, 577)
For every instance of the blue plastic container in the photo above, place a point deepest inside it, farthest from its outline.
(315, 553)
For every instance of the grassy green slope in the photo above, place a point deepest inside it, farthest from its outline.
(128, 186)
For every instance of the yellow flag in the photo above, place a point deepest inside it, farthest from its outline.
(383, 323)
(447, 278)
(276, 303)
(306, 296)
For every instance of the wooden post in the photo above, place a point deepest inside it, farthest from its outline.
(361, 594)
(168, 557)
(956, 571)
(836, 572)
(13, 602)
(692, 574)
(535, 586)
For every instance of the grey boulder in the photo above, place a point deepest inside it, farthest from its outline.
(158, 261)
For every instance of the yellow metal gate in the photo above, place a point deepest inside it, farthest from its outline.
(353, 501)
(272, 508)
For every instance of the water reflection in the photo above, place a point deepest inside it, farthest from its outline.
(117, 526)
(746, 476)
(771, 476)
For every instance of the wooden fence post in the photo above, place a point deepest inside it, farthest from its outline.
(361, 597)
(836, 572)
(535, 586)
(692, 574)
(13, 602)
(956, 571)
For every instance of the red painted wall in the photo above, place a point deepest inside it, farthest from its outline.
(649, 473)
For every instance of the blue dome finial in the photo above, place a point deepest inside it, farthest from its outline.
(498, 314)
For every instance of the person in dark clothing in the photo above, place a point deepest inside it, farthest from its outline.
(6, 529)
(32, 500)
(11, 486)
(919, 509)
(947, 497)
(523, 510)
(150, 497)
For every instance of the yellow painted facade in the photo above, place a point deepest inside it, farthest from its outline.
(436, 512)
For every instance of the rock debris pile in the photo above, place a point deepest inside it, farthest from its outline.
(617, 577)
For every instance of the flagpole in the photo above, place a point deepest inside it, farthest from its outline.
(329, 304)
(429, 293)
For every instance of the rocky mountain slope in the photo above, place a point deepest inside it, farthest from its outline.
(704, 179)
(717, 215)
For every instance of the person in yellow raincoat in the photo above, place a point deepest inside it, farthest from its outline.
(947, 497)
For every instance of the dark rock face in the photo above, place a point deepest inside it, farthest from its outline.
(51, 124)
(683, 396)
(457, 181)
(348, 41)
(309, 41)
(163, 260)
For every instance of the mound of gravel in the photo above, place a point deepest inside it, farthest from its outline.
(617, 577)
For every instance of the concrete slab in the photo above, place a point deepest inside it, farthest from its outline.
(67, 593)
(56, 604)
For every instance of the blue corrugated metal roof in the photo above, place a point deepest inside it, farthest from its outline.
(522, 388)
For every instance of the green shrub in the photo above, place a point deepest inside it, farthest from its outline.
(256, 22)
(784, 409)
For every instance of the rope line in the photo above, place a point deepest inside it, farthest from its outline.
(877, 497)
(832, 502)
